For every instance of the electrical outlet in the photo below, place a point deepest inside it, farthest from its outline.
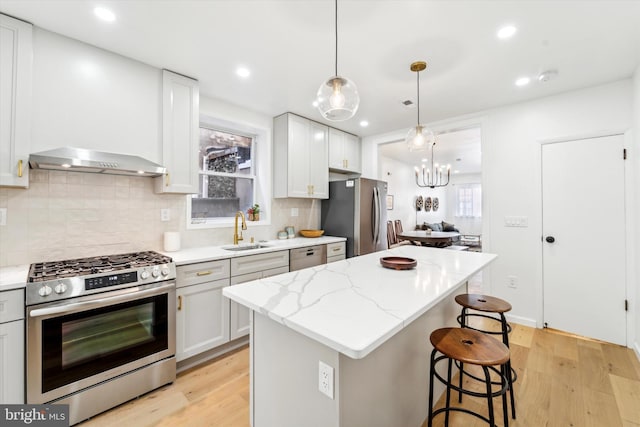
(3, 216)
(294, 211)
(325, 379)
(512, 281)
(165, 214)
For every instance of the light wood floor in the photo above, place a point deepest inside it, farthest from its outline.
(563, 381)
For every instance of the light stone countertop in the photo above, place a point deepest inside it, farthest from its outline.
(212, 253)
(355, 305)
(13, 277)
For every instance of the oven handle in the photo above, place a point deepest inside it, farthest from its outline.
(101, 302)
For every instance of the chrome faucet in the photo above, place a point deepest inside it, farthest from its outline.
(237, 237)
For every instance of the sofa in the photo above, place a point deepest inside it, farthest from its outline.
(438, 226)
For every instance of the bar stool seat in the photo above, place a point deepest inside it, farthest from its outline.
(475, 348)
(493, 305)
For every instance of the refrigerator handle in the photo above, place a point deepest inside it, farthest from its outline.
(376, 216)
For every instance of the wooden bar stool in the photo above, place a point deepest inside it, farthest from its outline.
(487, 304)
(475, 348)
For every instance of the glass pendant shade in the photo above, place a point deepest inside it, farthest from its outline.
(338, 99)
(419, 138)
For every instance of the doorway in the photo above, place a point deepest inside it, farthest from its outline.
(583, 224)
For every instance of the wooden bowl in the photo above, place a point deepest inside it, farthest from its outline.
(398, 262)
(311, 233)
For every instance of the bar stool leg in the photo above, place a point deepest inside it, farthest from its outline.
(503, 382)
(505, 341)
(446, 414)
(432, 377)
(489, 396)
(463, 324)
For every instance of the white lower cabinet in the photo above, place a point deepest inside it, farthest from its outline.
(12, 347)
(248, 268)
(202, 319)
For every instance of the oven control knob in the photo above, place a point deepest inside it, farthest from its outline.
(144, 274)
(60, 288)
(44, 291)
(155, 273)
(165, 271)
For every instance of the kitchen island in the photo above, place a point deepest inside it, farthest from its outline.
(369, 324)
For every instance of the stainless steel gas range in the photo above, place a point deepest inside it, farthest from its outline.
(100, 330)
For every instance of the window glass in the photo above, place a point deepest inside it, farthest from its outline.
(468, 200)
(227, 175)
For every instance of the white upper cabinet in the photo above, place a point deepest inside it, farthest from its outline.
(344, 151)
(180, 131)
(16, 67)
(301, 158)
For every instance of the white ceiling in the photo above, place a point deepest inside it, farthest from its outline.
(289, 47)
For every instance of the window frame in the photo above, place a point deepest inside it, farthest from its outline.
(260, 167)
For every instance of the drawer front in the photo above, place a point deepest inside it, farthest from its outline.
(334, 249)
(260, 262)
(275, 271)
(335, 258)
(11, 305)
(192, 274)
(236, 280)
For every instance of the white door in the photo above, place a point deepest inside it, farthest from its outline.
(583, 225)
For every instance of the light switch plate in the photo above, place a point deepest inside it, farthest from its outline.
(516, 221)
(294, 211)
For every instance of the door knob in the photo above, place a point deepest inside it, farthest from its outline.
(550, 239)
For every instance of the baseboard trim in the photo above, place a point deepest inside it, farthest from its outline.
(525, 321)
(636, 347)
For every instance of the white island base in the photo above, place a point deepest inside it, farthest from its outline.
(388, 387)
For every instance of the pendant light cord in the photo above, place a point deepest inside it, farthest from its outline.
(418, 78)
(336, 22)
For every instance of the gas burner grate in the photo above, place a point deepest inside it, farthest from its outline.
(44, 271)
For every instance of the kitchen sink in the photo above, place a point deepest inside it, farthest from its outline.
(246, 247)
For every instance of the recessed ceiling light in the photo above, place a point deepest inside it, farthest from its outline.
(506, 32)
(456, 171)
(315, 103)
(523, 81)
(424, 160)
(243, 72)
(364, 123)
(104, 14)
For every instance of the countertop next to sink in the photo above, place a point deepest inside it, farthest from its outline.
(13, 277)
(212, 253)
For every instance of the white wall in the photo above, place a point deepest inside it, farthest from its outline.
(511, 176)
(635, 158)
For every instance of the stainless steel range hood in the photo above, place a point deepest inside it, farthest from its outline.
(82, 160)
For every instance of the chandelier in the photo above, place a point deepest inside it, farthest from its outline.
(337, 98)
(432, 177)
(419, 137)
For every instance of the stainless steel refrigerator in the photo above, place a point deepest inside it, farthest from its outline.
(356, 209)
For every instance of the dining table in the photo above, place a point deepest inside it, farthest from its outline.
(439, 239)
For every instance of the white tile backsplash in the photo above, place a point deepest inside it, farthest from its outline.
(64, 215)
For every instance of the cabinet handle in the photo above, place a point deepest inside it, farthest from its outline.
(166, 180)
(203, 273)
(312, 189)
(336, 249)
(179, 302)
(346, 163)
(20, 168)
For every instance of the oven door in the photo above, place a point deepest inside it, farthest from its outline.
(81, 342)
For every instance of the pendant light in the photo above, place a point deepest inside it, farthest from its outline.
(337, 97)
(419, 138)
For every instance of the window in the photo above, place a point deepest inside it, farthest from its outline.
(468, 200)
(227, 175)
